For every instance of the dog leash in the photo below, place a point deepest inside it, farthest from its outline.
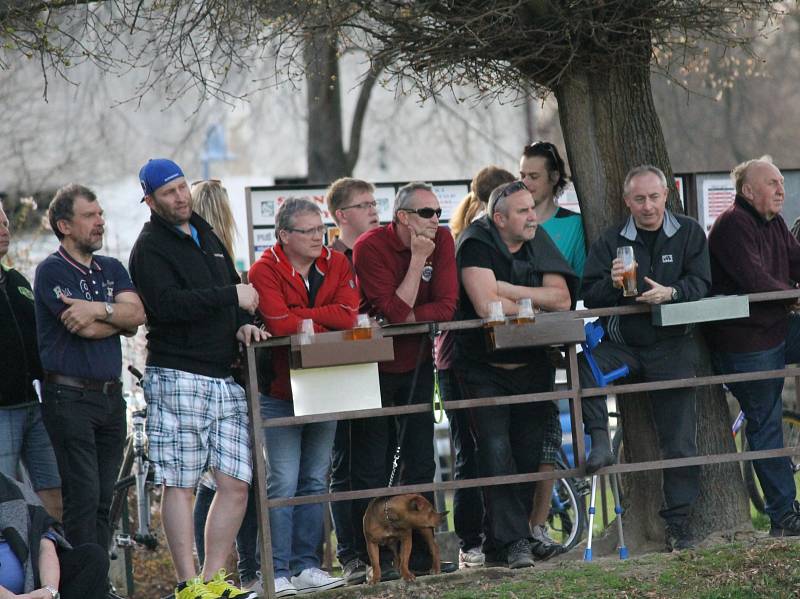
(400, 424)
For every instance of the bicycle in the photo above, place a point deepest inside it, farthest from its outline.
(791, 438)
(135, 472)
(567, 519)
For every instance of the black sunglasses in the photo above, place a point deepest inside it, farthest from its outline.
(424, 212)
(510, 189)
(546, 146)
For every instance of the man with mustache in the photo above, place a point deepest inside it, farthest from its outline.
(503, 257)
(84, 302)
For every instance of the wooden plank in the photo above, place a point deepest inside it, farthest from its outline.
(723, 307)
(544, 333)
(332, 352)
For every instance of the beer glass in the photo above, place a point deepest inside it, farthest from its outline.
(625, 254)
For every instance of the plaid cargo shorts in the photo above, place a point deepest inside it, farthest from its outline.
(195, 422)
(552, 437)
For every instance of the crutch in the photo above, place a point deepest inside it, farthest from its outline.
(594, 334)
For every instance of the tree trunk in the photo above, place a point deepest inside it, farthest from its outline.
(610, 125)
(327, 160)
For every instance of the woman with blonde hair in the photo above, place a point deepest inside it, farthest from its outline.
(474, 204)
(210, 200)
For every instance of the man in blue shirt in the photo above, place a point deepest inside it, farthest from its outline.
(83, 303)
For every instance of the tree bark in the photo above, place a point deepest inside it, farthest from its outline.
(610, 125)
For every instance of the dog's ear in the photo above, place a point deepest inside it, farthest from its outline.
(413, 504)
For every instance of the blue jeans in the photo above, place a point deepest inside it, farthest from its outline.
(23, 437)
(762, 406)
(299, 458)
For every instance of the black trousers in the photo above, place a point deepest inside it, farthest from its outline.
(373, 443)
(674, 411)
(87, 430)
(467, 503)
(84, 572)
(341, 511)
(508, 440)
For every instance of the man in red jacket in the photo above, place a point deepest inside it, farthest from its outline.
(297, 279)
(407, 273)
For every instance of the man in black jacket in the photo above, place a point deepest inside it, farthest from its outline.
(196, 309)
(22, 432)
(673, 266)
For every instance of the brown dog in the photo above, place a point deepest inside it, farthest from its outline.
(390, 520)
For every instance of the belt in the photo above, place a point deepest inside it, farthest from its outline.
(105, 387)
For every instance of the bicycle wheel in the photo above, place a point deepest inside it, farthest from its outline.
(567, 519)
(124, 481)
(791, 438)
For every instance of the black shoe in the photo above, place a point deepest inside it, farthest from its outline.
(354, 572)
(444, 568)
(542, 546)
(788, 525)
(495, 557)
(600, 455)
(388, 572)
(678, 536)
(519, 554)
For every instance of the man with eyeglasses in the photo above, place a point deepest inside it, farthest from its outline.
(503, 257)
(351, 203)
(406, 273)
(197, 308)
(299, 278)
(543, 171)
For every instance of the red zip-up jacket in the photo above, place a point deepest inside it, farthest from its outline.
(283, 302)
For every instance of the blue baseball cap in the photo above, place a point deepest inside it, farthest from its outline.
(158, 172)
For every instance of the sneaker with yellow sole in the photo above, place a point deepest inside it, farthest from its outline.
(225, 589)
(195, 589)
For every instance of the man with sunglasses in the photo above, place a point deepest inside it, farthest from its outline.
(197, 308)
(503, 257)
(406, 273)
(351, 203)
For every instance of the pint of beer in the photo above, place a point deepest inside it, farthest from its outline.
(363, 328)
(625, 253)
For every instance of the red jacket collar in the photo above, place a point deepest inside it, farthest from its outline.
(277, 255)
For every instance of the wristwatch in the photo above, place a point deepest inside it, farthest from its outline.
(53, 591)
(674, 294)
(109, 311)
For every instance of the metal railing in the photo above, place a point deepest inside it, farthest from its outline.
(560, 329)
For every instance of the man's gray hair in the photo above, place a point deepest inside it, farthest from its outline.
(642, 169)
(290, 208)
(406, 193)
(739, 172)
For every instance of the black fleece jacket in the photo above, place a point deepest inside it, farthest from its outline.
(18, 347)
(189, 295)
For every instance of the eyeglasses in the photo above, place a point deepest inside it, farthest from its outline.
(510, 189)
(424, 212)
(310, 232)
(546, 146)
(199, 181)
(361, 206)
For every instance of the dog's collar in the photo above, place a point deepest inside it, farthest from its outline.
(389, 519)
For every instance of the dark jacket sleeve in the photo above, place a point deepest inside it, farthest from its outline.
(695, 280)
(597, 290)
(158, 283)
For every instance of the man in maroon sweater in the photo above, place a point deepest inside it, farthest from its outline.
(406, 271)
(752, 250)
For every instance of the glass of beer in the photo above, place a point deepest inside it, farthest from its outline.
(625, 254)
(306, 331)
(363, 328)
(495, 318)
(525, 313)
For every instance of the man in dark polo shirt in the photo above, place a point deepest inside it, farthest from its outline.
(351, 204)
(83, 303)
(504, 257)
(406, 272)
(752, 251)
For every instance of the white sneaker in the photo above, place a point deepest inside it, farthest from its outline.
(312, 580)
(284, 588)
(256, 585)
(472, 558)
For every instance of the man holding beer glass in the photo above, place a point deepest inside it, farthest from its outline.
(654, 257)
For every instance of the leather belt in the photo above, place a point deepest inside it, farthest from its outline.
(105, 387)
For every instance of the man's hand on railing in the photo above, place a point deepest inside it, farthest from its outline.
(658, 294)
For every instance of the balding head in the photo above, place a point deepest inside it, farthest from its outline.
(760, 183)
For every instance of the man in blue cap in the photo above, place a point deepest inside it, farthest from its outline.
(197, 307)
